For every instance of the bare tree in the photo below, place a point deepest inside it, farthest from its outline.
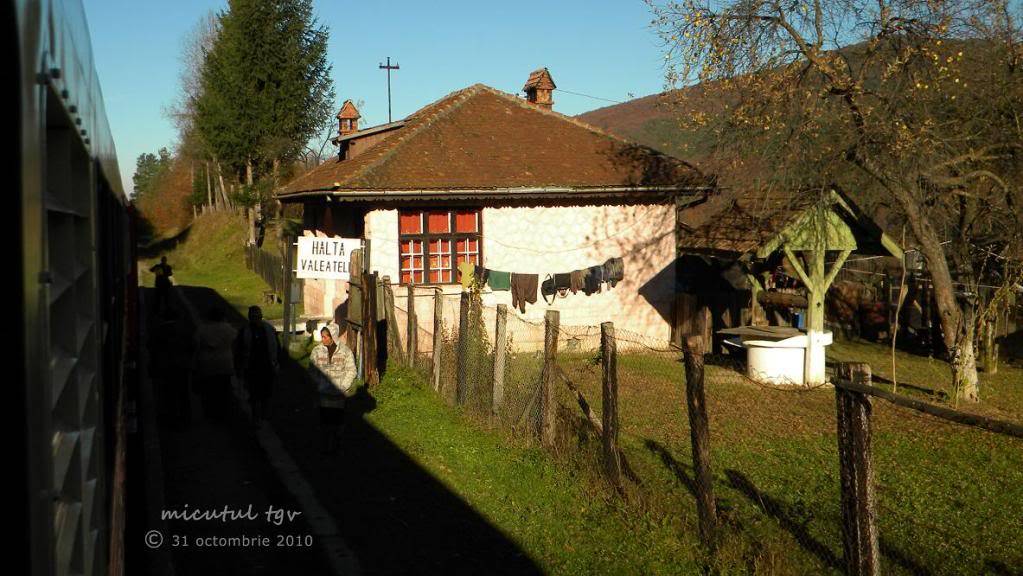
(915, 102)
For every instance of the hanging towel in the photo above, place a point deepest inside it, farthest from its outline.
(523, 289)
(466, 271)
(575, 282)
(499, 280)
(614, 270)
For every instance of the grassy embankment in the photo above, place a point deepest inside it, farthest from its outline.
(212, 254)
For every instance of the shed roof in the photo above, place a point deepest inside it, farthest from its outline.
(758, 224)
(481, 139)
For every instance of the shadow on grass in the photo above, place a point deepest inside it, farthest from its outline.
(932, 393)
(784, 516)
(395, 516)
(671, 464)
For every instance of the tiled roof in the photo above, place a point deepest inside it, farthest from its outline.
(743, 223)
(480, 138)
(733, 224)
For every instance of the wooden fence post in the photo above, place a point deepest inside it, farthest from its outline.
(462, 385)
(391, 321)
(289, 322)
(609, 360)
(548, 408)
(438, 336)
(413, 327)
(699, 433)
(500, 345)
(859, 530)
(369, 319)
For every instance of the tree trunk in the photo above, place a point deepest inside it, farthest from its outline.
(251, 211)
(957, 328)
(209, 186)
(223, 189)
(957, 319)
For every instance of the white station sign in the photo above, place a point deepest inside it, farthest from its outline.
(325, 258)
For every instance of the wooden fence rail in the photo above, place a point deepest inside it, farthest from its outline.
(991, 424)
(269, 266)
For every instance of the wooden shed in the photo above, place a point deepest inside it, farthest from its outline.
(808, 234)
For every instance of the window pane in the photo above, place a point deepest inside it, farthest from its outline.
(467, 221)
(410, 223)
(439, 222)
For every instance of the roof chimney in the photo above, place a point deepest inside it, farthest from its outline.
(347, 119)
(539, 87)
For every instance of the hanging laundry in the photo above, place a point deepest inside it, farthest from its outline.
(562, 281)
(523, 289)
(593, 280)
(466, 271)
(499, 280)
(575, 282)
(614, 271)
(547, 289)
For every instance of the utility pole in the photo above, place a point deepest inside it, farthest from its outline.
(388, 67)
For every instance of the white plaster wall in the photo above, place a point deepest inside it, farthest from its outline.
(545, 240)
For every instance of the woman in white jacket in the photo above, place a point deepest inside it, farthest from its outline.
(332, 366)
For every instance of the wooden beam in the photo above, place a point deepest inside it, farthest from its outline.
(835, 267)
(1000, 426)
(797, 266)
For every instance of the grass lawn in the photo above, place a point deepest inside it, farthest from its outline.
(950, 497)
(212, 254)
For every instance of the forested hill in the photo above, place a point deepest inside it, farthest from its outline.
(647, 120)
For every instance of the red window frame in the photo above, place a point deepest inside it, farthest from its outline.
(432, 242)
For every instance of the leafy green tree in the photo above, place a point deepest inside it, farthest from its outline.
(148, 170)
(265, 86)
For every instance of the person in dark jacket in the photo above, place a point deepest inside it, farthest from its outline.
(257, 362)
(163, 272)
(214, 363)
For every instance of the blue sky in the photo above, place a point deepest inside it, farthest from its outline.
(602, 48)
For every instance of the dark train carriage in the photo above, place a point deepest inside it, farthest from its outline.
(74, 316)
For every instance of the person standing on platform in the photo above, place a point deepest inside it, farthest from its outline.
(332, 367)
(257, 362)
(215, 363)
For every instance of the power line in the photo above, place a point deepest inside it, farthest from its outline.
(589, 96)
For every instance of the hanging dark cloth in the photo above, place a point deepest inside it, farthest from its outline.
(593, 279)
(547, 290)
(523, 289)
(614, 271)
(575, 282)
